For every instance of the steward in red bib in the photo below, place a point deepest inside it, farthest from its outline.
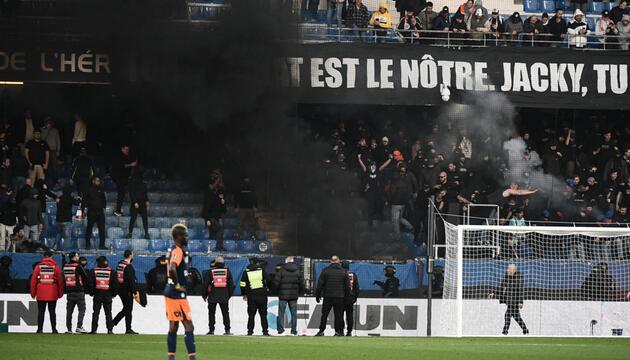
(47, 287)
(103, 286)
(217, 289)
(75, 279)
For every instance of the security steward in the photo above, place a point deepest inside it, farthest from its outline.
(218, 288)
(391, 285)
(332, 285)
(47, 288)
(351, 297)
(103, 286)
(255, 290)
(75, 280)
(126, 278)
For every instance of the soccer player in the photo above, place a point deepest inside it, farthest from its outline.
(177, 307)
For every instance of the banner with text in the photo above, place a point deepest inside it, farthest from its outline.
(385, 317)
(413, 75)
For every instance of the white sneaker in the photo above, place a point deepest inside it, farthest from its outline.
(81, 331)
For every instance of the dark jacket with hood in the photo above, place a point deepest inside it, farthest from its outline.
(217, 295)
(289, 282)
(332, 282)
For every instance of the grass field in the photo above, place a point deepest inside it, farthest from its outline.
(145, 347)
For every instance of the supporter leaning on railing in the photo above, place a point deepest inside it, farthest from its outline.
(382, 21)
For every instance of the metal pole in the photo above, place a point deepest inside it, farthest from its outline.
(430, 256)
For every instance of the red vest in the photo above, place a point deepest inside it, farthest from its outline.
(120, 271)
(219, 278)
(70, 275)
(351, 278)
(102, 278)
(46, 274)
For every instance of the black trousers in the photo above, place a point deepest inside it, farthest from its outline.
(349, 310)
(98, 219)
(257, 304)
(215, 232)
(335, 304)
(127, 302)
(75, 299)
(225, 312)
(121, 192)
(513, 312)
(41, 310)
(133, 212)
(106, 303)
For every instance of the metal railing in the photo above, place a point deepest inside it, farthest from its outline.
(315, 33)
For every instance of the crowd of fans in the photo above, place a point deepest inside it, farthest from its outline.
(559, 175)
(420, 22)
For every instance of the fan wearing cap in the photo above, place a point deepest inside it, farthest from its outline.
(494, 24)
(514, 26)
(578, 30)
(177, 307)
(605, 26)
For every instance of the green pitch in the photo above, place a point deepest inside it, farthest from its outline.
(145, 347)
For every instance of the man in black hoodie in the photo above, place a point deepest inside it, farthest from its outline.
(213, 209)
(218, 287)
(126, 277)
(31, 216)
(139, 203)
(95, 203)
(557, 27)
(289, 283)
(246, 202)
(75, 281)
(511, 294)
(332, 285)
(351, 297)
(254, 289)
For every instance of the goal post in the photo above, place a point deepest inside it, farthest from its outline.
(546, 280)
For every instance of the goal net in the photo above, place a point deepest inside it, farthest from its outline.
(545, 281)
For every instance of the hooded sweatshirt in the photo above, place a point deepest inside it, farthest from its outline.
(514, 23)
(46, 282)
(384, 19)
(573, 29)
(289, 282)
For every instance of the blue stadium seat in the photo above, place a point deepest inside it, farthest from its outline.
(548, 6)
(165, 233)
(212, 245)
(230, 246)
(198, 246)
(590, 22)
(78, 232)
(155, 197)
(139, 245)
(109, 210)
(158, 245)
(154, 233)
(247, 246)
(137, 232)
(230, 222)
(596, 7)
(531, 6)
(51, 208)
(115, 232)
(49, 241)
(120, 244)
(70, 244)
(228, 234)
(111, 221)
(264, 247)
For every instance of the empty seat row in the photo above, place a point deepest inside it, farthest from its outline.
(550, 6)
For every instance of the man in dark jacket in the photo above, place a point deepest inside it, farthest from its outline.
(82, 172)
(557, 27)
(8, 220)
(511, 294)
(619, 11)
(218, 288)
(103, 287)
(24, 192)
(139, 203)
(123, 163)
(31, 216)
(403, 190)
(351, 297)
(245, 202)
(289, 283)
(254, 289)
(65, 202)
(75, 281)
(126, 278)
(213, 209)
(333, 286)
(599, 285)
(391, 285)
(156, 277)
(95, 203)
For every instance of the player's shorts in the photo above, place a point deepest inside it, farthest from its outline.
(177, 309)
